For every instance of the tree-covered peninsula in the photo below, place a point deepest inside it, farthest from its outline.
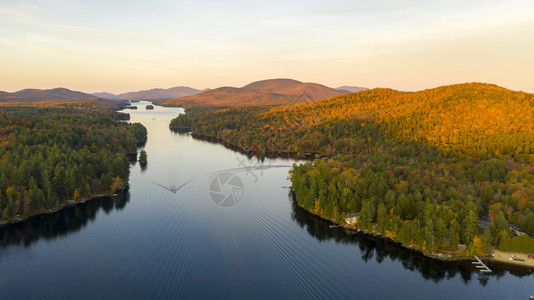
(430, 169)
(52, 156)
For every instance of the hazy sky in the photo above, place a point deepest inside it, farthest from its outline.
(121, 46)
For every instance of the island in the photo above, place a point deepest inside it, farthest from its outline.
(142, 157)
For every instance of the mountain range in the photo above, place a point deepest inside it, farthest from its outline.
(34, 95)
(270, 92)
(153, 94)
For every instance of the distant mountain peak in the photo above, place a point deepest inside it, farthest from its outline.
(264, 92)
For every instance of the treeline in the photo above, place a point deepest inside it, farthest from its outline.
(51, 155)
(218, 121)
(421, 168)
(430, 204)
(89, 103)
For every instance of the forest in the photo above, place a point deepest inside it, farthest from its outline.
(427, 169)
(52, 155)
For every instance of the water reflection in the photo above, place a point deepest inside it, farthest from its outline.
(246, 152)
(378, 249)
(63, 222)
(144, 167)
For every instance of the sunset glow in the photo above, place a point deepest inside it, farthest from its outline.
(121, 46)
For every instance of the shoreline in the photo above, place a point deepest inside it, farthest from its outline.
(65, 204)
(497, 257)
(439, 256)
(345, 226)
(248, 152)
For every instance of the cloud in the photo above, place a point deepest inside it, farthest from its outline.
(26, 46)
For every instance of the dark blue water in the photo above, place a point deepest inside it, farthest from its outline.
(202, 221)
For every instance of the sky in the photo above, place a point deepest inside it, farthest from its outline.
(121, 46)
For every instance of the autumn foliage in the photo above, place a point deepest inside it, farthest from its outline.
(422, 167)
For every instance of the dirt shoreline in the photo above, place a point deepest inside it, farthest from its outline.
(512, 258)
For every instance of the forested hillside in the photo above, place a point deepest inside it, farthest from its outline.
(51, 155)
(420, 168)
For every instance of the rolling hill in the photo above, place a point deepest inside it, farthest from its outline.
(230, 96)
(472, 118)
(292, 87)
(35, 95)
(265, 92)
(58, 97)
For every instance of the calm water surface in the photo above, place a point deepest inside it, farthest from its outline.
(202, 221)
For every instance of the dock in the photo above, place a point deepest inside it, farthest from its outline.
(481, 266)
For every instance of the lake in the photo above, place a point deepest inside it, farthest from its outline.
(203, 221)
